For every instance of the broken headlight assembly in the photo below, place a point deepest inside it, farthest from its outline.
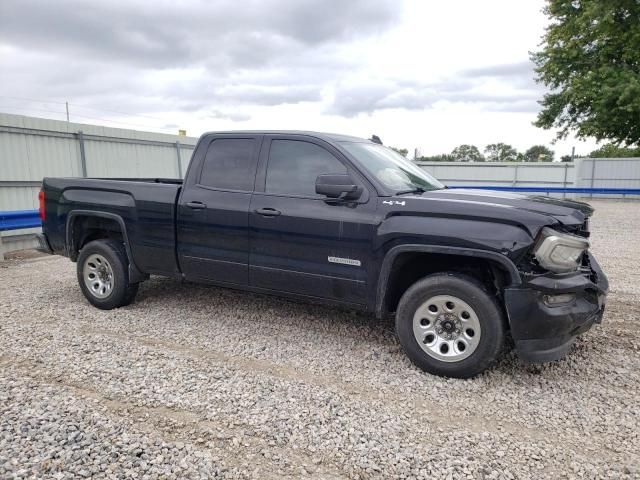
(559, 252)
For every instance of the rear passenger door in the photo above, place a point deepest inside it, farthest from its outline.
(213, 210)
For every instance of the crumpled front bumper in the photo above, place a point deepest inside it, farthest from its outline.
(543, 333)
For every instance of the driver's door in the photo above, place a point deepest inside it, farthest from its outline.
(300, 242)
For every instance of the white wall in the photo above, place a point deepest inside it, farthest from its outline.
(32, 148)
(514, 174)
(584, 172)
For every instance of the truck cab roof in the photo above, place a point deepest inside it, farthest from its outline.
(329, 137)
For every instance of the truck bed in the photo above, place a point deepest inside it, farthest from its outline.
(146, 206)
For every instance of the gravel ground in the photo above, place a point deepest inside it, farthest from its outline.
(201, 382)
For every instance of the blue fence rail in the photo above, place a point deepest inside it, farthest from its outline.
(19, 219)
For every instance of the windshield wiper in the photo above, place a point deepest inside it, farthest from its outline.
(413, 190)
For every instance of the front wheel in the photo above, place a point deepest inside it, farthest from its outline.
(449, 325)
(103, 274)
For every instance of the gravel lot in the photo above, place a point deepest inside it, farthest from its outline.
(197, 382)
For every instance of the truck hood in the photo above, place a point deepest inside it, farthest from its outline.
(530, 211)
(534, 203)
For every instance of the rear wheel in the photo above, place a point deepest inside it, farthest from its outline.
(449, 325)
(103, 276)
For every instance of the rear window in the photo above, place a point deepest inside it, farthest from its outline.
(230, 164)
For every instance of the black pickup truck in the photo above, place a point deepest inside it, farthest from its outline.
(342, 220)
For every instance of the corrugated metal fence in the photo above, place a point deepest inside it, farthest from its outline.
(583, 173)
(503, 173)
(33, 148)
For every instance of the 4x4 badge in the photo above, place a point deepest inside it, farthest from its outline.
(392, 202)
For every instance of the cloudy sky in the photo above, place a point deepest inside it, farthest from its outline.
(423, 74)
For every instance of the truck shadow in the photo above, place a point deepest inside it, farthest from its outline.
(369, 338)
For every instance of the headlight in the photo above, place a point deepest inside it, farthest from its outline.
(559, 252)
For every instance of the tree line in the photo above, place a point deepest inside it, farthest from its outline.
(494, 152)
(502, 152)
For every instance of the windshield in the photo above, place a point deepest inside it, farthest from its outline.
(392, 169)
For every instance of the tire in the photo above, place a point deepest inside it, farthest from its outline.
(466, 318)
(103, 274)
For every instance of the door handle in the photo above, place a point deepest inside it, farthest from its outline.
(268, 212)
(196, 205)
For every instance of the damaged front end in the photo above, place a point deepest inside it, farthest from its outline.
(562, 294)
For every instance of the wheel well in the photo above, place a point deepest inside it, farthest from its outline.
(409, 267)
(85, 229)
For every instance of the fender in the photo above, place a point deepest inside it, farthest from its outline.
(387, 263)
(135, 275)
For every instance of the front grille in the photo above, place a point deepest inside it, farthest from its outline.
(579, 230)
(582, 230)
(587, 270)
(585, 231)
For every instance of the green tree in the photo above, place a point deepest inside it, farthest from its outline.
(539, 153)
(500, 152)
(613, 151)
(590, 61)
(402, 151)
(467, 153)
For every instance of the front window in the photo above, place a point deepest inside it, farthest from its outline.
(294, 166)
(392, 169)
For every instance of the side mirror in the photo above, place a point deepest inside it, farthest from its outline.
(337, 186)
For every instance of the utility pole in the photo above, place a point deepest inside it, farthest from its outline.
(67, 105)
(573, 153)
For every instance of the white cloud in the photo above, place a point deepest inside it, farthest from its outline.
(420, 74)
